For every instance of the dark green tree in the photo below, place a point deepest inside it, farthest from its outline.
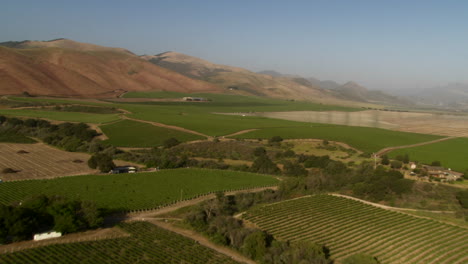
(396, 164)
(259, 151)
(101, 161)
(275, 139)
(385, 160)
(264, 165)
(170, 142)
(255, 245)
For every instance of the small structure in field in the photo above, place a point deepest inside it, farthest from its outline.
(412, 165)
(442, 173)
(124, 169)
(47, 235)
(194, 99)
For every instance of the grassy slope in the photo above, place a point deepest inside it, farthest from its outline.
(451, 153)
(127, 133)
(363, 138)
(136, 191)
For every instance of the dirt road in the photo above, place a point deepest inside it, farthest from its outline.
(386, 150)
(167, 126)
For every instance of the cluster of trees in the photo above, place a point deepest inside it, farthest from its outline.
(101, 161)
(87, 109)
(69, 136)
(364, 181)
(42, 213)
(214, 218)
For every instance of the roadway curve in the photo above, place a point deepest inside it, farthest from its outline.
(386, 150)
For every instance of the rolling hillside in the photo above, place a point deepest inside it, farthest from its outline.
(241, 81)
(67, 68)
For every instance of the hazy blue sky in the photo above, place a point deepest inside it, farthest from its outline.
(381, 44)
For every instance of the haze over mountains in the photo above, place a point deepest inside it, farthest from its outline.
(65, 67)
(452, 95)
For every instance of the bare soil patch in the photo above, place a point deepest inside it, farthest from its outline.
(425, 123)
(40, 161)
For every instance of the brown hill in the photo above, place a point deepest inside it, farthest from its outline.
(68, 68)
(241, 81)
(356, 92)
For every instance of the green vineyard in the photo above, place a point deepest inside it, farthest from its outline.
(347, 227)
(147, 244)
(135, 191)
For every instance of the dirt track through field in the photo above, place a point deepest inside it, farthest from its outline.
(148, 216)
(386, 150)
(241, 132)
(203, 241)
(167, 126)
(389, 207)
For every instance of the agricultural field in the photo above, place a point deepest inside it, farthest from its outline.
(234, 103)
(425, 123)
(348, 227)
(61, 116)
(362, 138)
(147, 243)
(452, 153)
(40, 161)
(136, 190)
(128, 133)
(10, 137)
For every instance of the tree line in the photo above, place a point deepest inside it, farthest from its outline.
(42, 213)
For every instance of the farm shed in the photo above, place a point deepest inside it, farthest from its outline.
(47, 235)
(124, 169)
(195, 99)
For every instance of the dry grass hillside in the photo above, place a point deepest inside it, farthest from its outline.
(68, 68)
(241, 81)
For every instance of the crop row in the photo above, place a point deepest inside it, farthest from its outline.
(347, 227)
(147, 244)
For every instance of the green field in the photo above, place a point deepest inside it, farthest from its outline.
(128, 133)
(59, 101)
(236, 103)
(62, 116)
(8, 137)
(147, 243)
(363, 138)
(452, 153)
(348, 227)
(136, 191)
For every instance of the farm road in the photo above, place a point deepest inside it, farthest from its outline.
(152, 217)
(148, 216)
(203, 241)
(167, 126)
(389, 207)
(386, 150)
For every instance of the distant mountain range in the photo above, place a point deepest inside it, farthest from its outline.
(450, 96)
(63, 67)
(241, 81)
(348, 91)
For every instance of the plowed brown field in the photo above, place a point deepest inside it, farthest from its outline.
(40, 161)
